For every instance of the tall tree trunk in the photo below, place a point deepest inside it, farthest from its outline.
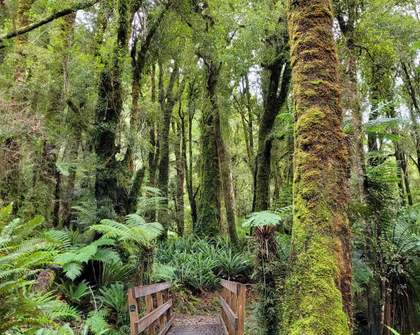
(154, 151)
(109, 195)
(414, 111)
(276, 87)
(208, 220)
(358, 157)
(347, 17)
(138, 63)
(168, 100)
(65, 184)
(192, 96)
(213, 75)
(279, 78)
(321, 256)
(180, 171)
(11, 178)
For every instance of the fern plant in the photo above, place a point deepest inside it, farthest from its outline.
(114, 298)
(25, 251)
(73, 259)
(74, 293)
(135, 230)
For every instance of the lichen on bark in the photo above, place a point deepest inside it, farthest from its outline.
(318, 288)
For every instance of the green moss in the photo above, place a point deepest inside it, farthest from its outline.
(313, 303)
(310, 93)
(317, 308)
(311, 118)
(316, 82)
(208, 221)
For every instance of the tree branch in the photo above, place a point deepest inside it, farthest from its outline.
(48, 19)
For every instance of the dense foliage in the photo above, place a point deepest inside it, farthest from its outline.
(274, 143)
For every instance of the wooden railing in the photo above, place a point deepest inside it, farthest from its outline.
(233, 300)
(154, 303)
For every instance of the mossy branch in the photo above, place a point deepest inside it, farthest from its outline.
(48, 19)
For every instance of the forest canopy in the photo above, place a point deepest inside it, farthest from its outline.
(272, 143)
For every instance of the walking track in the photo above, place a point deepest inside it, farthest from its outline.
(196, 325)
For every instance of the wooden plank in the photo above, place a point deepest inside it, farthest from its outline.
(148, 320)
(222, 322)
(142, 291)
(230, 285)
(233, 318)
(162, 319)
(167, 327)
(166, 297)
(133, 310)
(149, 308)
(240, 309)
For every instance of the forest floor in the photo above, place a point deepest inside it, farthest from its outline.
(196, 325)
(201, 316)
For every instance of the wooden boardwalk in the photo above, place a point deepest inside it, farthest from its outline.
(156, 305)
(196, 325)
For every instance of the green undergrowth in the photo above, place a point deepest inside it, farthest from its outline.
(198, 265)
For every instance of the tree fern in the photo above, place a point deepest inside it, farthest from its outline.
(134, 229)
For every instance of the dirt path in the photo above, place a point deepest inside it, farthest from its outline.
(196, 325)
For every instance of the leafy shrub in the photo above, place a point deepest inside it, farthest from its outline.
(233, 266)
(199, 264)
(74, 293)
(114, 297)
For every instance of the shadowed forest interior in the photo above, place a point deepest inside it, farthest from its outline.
(272, 143)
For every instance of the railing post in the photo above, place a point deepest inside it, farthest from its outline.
(160, 301)
(240, 308)
(149, 308)
(133, 310)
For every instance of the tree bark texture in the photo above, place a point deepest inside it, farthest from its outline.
(318, 288)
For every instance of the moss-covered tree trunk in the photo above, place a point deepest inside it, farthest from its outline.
(213, 75)
(22, 20)
(109, 195)
(318, 288)
(208, 219)
(347, 15)
(168, 99)
(10, 147)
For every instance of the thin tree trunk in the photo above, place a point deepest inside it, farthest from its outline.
(414, 112)
(167, 102)
(275, 95)
(154, 151)
(189, 163)
(180, 171)
(321, 255)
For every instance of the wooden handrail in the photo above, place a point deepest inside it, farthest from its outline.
(148, 319)
(142, 291)
(232, 316)
(232, 301)
(156, 306)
